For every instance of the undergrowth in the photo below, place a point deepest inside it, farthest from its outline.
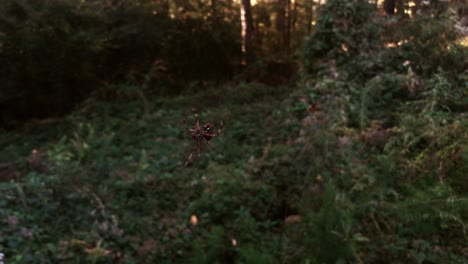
(364, 162)
(287, 184)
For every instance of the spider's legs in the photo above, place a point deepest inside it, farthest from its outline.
(200, 148)
(207, 143)
(191, 153)
(200, 135)
(197, 121)
(220, 129)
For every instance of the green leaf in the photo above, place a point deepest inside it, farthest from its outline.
(358, 237)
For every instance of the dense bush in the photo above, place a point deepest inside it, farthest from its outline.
(292, 183)
(401, 109)
(381, 62)
(344, 29)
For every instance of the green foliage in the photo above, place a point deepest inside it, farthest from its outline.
(366, 162)
(343, 30)
(110, 193)
(429, 44)
(396, 113)
(328, 236)
(107, 191)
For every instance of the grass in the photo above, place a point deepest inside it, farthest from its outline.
(113, 184)
(285, 184)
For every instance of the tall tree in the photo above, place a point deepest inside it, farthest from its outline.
(389, 7)
(280, 22)
(400, 6)
(287, 35)
(247, 33)
(309, 15)
(294, 14)
(214, 9)
(283, 24)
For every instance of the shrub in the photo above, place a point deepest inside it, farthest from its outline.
(344, 29)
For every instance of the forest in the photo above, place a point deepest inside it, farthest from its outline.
(234, 131)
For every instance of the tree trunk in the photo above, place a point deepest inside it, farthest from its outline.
(389, 7)
(294, 16)
(165, 6)
(287, 37)
(400, 5)
(214, 12)
(310, 15)
(281, 22)
(247, 33)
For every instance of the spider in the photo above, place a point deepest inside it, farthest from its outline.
(201, 135)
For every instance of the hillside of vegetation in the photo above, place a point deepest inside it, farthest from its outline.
(359, 156)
